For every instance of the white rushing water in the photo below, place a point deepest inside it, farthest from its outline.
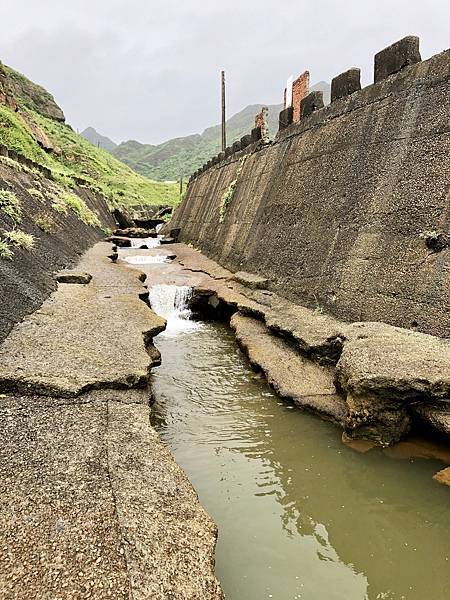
(148, 242)
(172, 303)
(147, 260)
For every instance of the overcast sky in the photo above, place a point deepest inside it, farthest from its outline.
(149, 69)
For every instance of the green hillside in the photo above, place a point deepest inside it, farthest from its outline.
(32, 124)
(184, 155)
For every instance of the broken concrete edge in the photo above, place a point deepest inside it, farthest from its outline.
(270, 354)
(73, 276)
(382, 401)
(251, 280)
(443, 476)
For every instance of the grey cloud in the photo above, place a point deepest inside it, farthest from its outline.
(149, 70)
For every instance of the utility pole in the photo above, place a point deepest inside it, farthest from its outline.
(224, 134)
(181, 186)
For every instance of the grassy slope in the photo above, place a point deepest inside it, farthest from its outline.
(78, 158)
(182, 156)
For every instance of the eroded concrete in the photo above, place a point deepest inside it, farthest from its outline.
(83, 337)
(92, 504)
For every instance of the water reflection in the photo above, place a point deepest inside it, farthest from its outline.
(299, 515)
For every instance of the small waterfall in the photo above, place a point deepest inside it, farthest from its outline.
(159, 227)
(147, 260)
(172, 303)
(147, 242)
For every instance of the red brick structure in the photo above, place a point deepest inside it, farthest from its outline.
(300, 89)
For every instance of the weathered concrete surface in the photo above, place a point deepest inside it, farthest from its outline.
(443, 476)
(251, 280)
(386, 372)
(92, 505)
(83, 337)
(390, 377)
(72, 276)
(334, 212)
(59, 240)
(292, 376)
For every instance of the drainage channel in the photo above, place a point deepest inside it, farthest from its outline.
(299, 514)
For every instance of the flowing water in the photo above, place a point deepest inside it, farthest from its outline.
(146, 259)
(144, 242)
(299, 514)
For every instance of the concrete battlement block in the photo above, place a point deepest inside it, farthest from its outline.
(214, 160)
(228, 151)
(311, 103)
(236, 146)
(246, 140)
(221, 156)
(256, 134)
(345, 84)
(395, 57)
(286, 118)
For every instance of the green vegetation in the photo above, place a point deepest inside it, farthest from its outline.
(20, 238)
(5, 251)
(16, 135)
(229, 194)
(10, 205)
(73, 157)
(45, 222)
(183, 156)
(65, 201)
(36, 194)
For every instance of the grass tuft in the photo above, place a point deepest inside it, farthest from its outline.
(10, 205)
(5, 251)
(21, 239)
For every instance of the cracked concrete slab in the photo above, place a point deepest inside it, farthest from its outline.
(92, 504)
(309, 385)
(84, 337)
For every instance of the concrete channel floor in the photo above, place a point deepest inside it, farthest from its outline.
(92, 504)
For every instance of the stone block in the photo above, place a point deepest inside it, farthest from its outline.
(311, 103)
(345, 84)
(392, 59)
(286, 117)
(254, 282)
(12, 154)
(3, 150)
(246, 140)
(68, 276)
(228, 151)
(256, 134)
(236, 146)
(221, 156)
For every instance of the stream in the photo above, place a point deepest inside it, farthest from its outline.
(299, 514)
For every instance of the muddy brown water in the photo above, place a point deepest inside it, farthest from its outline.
(299, 514)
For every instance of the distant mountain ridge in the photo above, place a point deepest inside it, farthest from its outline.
(96, 139)
(179, 157)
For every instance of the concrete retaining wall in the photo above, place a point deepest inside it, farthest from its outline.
(338, 210)
(59, 239)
